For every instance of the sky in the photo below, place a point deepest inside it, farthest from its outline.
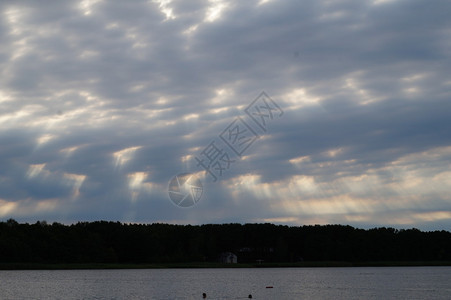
(102, 103)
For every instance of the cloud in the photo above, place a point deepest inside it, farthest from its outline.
(102, 103)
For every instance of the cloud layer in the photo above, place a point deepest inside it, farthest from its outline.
(103, 102)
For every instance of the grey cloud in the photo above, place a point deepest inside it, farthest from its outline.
(124, 77)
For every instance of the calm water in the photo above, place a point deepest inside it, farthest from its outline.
(288, 283)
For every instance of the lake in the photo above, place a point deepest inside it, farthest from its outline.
(287, 283)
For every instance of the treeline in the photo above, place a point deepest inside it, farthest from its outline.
(114, 242)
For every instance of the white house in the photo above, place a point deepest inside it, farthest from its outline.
(228, 258)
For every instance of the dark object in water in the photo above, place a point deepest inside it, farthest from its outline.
(250, 296)
(269, 287)
(204, 295)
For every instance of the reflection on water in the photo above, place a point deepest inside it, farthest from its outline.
(287, 283)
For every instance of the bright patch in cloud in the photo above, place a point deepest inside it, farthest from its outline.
(136, 183)
(299, 98)
(87, 6)
(123, 156)
(45, 138)
(215, 10)
(165, 8)
(76, 180)
(35, 170)
(7, 207)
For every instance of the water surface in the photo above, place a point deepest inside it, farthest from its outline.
(287, 283)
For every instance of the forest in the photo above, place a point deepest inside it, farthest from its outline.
(121, 243)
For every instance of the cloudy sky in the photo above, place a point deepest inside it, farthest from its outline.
(103, 102)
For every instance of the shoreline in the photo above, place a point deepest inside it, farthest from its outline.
(203, 265)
